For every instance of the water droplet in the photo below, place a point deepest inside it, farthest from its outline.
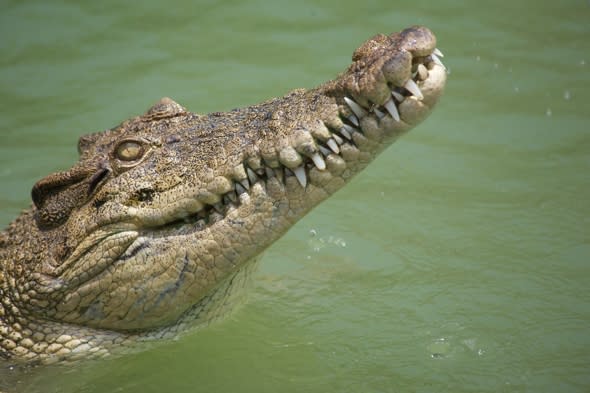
(313, 232)
(516, 89)
(439, 348)
(548, 112)
(567, 95)
(477, 58)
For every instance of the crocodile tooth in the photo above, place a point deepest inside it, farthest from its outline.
(301, 176)
(358, 110)
(347, 131)
(379, 114)
(245, 183)
(324, 151)
(337, 139)
(436, 60)
(399, 97)
(422, 72)
(251, 176)
(318, 161)
(232, 196)
(269, 172)
(333, 145)
(240, 189)
(218, 207)
(413, 88)
(392, 109)
(437, 52)
(354, 120)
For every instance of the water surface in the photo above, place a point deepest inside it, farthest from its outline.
(458, 262)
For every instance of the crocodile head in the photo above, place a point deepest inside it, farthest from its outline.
(162, 209)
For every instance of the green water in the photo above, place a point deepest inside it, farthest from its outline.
(458, 262)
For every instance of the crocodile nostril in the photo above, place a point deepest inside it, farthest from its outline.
(418, 40)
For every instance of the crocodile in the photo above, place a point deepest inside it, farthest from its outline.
(157, 227)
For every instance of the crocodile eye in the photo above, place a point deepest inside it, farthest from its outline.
(129, 151)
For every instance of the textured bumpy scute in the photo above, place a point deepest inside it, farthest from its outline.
(156, 227)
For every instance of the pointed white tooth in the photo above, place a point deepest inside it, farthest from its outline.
(300, 175)
(392, 109)
(358, 110)
(337, 139)
(346, 131)
(333, 145)
(318, 161)
(354, 120)
(251, 175)
(414, 89)
(398, 96)
(438, 53)
(379, 114)
(437, 60)
(245, 184)
(324, 151)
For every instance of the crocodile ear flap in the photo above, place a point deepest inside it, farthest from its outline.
(56, 195)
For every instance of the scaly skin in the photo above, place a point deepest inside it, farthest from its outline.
(157, 225)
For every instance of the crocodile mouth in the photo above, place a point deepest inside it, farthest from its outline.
(337, 153)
